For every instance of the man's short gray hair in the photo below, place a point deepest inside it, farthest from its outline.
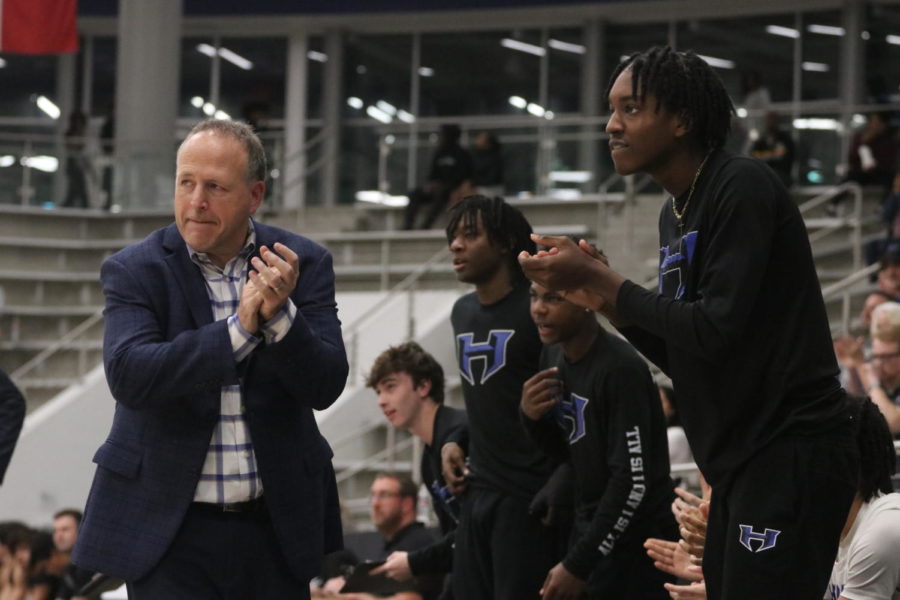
(242, 133)
(886, 323)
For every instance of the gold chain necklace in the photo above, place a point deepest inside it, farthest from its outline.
(680, 214)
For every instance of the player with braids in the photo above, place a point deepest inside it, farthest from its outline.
(738, 323)
(501, 549)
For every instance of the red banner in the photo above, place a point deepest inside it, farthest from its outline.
(38, 26)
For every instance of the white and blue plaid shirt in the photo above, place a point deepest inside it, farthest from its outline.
(229, 472)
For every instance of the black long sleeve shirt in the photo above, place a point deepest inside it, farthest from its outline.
(738, 321)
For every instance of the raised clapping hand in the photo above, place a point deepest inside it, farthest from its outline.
(540, 393)
(671, 558)
(849, 351)
(692, 514)
(275, 278)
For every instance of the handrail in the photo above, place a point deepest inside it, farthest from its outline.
(58, 345)
(855, 219)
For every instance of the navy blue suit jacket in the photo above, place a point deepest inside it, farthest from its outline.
(166, 361)
(12, 413)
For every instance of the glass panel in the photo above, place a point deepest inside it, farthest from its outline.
(821, 55)
(315, 74)
(196, 69)
(377, 69)
(566, 55)
(882, 54)
(253, 78)
(472, 73)
(23, 79)
(103, 84)
(818, 149)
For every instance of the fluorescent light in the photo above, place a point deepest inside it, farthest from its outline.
(571, 176)
(518, 101)
(209, 109)
(718, 63)
(2, 63)
(361, 69)
(816, 67)
(376, 197)
(565, 194)
(405, 116)
(893, 39)
(355, 102)
(7, 160)
(317, 56)
(229, 55)
(235, 59)
(536, 109)
(741, 112)
(47, 164)
(865, 35)
(819, 124)
(390, 139)
(46, 104)
(825, 30)
(549, 115)
(222, 115)
(566, 46)
(523, 47)
(782, 31)
(197, 102)
(858, 119)
(426, 71)
(378, 114)
(387, 107)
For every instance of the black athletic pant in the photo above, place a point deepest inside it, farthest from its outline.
(501, 551)
(774, 527)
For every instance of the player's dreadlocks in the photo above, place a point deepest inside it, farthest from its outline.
(685, 85)
(876, 449)
(505, 226)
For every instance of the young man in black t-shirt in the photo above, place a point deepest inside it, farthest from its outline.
(410, 387)
(502, 552)
(594, 403)
(737, 322)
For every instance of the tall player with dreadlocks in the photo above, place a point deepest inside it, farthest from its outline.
(502, 552)
(737, 322)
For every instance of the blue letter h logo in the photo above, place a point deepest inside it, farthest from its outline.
(492, 352)
(766, 539)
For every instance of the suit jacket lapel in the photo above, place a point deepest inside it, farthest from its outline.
(188, 277)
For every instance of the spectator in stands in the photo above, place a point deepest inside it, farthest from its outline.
(487, 161)
(77, 164)
(501, 551)
(775, 148)
(12, 415)
(868, 560)
(594, 404)
(65, 532)
(410, 387)
(221, 339)
(449, 179)
(880, 372)
(392, 499)
(754, 368)
(15, 552)
(873, 152)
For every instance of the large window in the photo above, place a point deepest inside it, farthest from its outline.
(23, 80)
(377, 75)
(821, 60)
(882, 53)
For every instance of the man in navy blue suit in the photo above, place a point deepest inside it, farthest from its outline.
(221, 338)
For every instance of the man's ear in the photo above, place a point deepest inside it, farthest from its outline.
(424, 388)
(682, 125)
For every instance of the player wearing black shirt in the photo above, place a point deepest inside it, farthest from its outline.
(594, 403)
(738, 323)
(410, 387)
(502, 552)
